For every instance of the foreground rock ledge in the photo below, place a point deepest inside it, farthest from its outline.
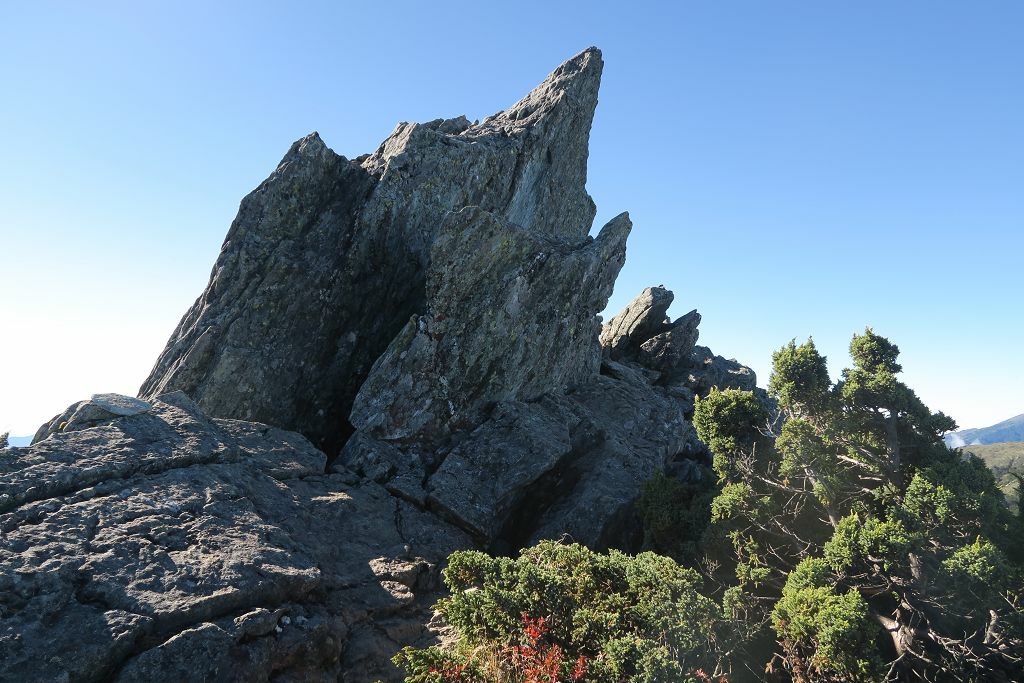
(168, 546)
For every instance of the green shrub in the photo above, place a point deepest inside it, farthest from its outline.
(676, 515)
(606, 618)
(831, 633)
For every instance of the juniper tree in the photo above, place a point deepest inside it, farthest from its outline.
(872, 549)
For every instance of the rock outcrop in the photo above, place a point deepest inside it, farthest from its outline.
(511, 315)
(643, 335)
(396, 357)
(327, 259)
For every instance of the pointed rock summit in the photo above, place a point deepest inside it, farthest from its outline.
(328, 258)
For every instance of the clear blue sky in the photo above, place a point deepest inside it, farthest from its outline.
(791, 168)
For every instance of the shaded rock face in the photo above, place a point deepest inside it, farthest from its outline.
(326, 260)
(447, 431)
(429, 315)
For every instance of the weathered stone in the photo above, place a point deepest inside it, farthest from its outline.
(668, 350)
(97, 410)
(442, 292)
(623, 432)
(708, 370)
(326, 260)
(641, 319)
(512, 315)
(406, 572)
(402, 472)
(140, 548)
(118, 404)
(484, 479)
(683, 395)
(641, 335)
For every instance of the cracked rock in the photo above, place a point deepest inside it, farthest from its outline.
(397, 356)
(197, 534)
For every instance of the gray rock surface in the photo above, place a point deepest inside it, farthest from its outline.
(485, 479)
(568, 464)
(667, 351)
(641, 319)
(85, 414)
(641, 335)
(326, 260)
(707, 370)
(512, 315)
(623, 431)
(168, 546)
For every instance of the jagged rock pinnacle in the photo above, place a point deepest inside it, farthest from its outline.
(327, 258)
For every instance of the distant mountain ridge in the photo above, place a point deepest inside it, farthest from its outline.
(1002, 432)
(1006, 460)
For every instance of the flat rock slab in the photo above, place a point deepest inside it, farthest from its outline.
(120, 405)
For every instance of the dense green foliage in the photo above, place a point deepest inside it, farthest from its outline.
(676, 515)
(836, 538)
(872, 549)
(620, 618)
(1006, 460)
(822, 630)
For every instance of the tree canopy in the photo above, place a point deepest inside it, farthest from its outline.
(873, 550)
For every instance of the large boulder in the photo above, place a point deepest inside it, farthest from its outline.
(396, 357)
(326, 260)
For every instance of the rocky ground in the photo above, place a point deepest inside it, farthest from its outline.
(420, 327)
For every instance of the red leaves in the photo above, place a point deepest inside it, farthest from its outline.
(452, 673)
(542, 662)
(579, 669)
(535, 660)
